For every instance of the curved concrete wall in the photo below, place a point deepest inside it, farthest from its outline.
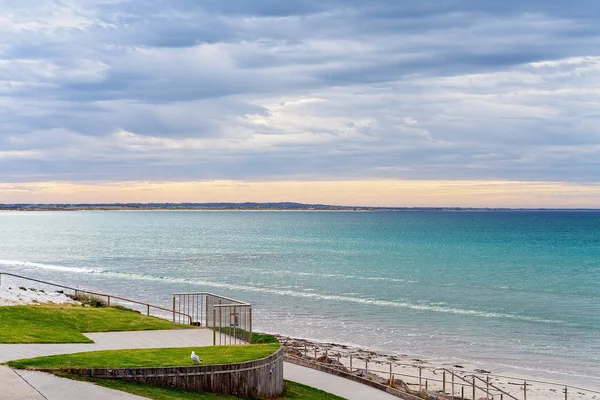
(259, 378)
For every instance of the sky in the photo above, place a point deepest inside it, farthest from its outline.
(444, 102)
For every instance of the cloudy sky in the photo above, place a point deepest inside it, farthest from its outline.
(441, 102)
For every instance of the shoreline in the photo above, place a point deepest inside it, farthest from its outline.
(402, 364)
(409, 367)
(286, 206)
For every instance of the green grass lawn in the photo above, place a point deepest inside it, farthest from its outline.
(139, 358)
(292, 390)
(65, 324)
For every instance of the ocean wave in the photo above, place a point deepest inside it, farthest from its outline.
(293, 293)
(52, 267)
(339, 276)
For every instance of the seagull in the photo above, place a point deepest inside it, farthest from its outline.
(195, 358)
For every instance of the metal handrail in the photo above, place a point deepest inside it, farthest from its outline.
(234, 301)
(525, 381)
(108, 296)
(487, 382)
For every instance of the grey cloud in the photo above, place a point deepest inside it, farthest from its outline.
(427, 90)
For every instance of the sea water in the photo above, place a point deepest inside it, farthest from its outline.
(518, 290)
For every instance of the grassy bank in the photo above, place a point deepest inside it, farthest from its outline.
(66, 323)
(292, 390)
(140, 358)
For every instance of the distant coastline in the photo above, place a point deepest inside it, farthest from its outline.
(250, 206)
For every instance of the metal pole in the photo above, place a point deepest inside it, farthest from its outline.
(444, 383)
(220, 325)
(524, 390)
(148, 309)
(452, 383)
(566, 393)
(206, 311)
(235, 321)
(462, 392)
(487, 388)
(367, 369)
(473, 388)
(173, 312)
(350, 363)
(250, 311)
(214, 327)
(420, 375)
(391, 380)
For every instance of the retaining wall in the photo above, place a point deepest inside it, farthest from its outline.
(259, 378)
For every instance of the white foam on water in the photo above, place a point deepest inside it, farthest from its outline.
(292, 293)
(62, 268)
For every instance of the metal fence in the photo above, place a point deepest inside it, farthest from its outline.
(141, 306)
(230, 320)
(438, 383)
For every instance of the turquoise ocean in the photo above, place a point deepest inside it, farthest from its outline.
(518, 291)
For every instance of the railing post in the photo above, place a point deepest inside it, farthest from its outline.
(367, 369)
(148, 309)
(214, 327)
(524, 390)
(462, 392)
(221, 326)
(206, 314)
(173, 312)
(235, 321)
(452, 372)
(473, 387)
(420, 378)
(350, 363)
(250, 311)
(566, 393)
(444, 383)
(391, 378)
(108, 300)
(487, 387)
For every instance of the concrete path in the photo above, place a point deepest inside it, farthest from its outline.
(54, 388)
(333, 384)
(13, 387)
(30, 385)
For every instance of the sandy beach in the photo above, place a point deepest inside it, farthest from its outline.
(418, 373)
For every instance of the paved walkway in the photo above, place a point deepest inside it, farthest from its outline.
(50, 387)
(333, 384)
(13, 387)
(30, 385)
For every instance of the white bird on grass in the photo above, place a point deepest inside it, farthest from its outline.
(195, 358)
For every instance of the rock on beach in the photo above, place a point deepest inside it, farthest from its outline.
(18, 296)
